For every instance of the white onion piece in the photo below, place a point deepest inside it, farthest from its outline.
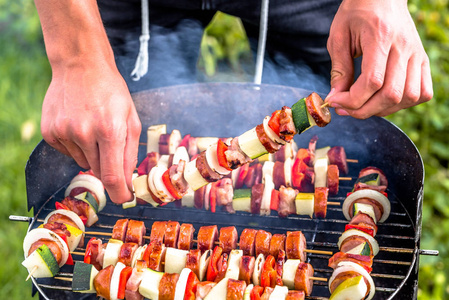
(162, 190)
(43, 233)
(91, 186)
(212, 160)
(258, 265)
(357, 232)
(87, 177)
(181, 285)
(346, 266)
(371, 194)
(180, 154)
(70, 214)
(115, 280)
(288, 165)
(267, 170)
(151, 185)
(204, 262)
(138, 254)
(270, 133)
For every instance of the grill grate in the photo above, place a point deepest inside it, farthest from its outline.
(391, 267)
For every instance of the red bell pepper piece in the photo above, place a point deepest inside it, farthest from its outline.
(256, 292)
(124, 276)
(243, 171)
(367, 229)
(274, 204)
(142, 169)
(59, 205)
(212, 268)
(69, 259)
(222, 266)
(269, 274)
(221, 149)
(213, 196)
(192, 282)
(88, 252)
(168, 184)
(274, 122)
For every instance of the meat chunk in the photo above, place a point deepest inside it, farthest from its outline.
(135, 232)
(228, 238)
(287, 197)
(248, 241)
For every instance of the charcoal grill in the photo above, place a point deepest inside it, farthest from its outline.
(229, 109)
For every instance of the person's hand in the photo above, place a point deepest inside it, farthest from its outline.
(395, 72)
(89, 115)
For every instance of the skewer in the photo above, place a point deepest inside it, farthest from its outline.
(195, 241)
(325, 104)
(351, 160)
(345, 178)
(68, 278)
(31, 273)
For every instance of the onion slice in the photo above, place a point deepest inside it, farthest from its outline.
(371, 194)
(43, 233)
(270, 133)
(349, 266)
(351, 232)
(71, 215)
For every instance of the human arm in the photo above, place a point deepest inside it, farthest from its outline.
(88, 112)
(395, 71)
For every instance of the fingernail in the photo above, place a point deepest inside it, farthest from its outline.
(342, 112)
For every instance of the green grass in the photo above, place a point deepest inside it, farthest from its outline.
(25, 75)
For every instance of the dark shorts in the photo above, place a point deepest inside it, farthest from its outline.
(296, 52)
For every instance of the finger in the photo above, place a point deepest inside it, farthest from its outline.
(75, 152)
(131, 147)
(426, 82)
(57, 145)
(111, 147)
(86, 142)
(371, 79)
(342, 73)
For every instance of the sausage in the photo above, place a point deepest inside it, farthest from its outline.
(119, 230)
(177, 177)
(203, 288)
(295, 295)
(248, 241)
(198, 198)
(97, 253)
(102, 282)
(247, 264)
(136, 231)
(58, 228)
(52, 245)
(320, 203)
(60, 218)
(171, 234)
(256, 197)
(228, 238)
(277, 244)
(278, 174)
(185, 238)
(369, 170)
(295, 244)
(262, 241)
(270, 145)
(193, 261)
(266, 293)
(126, 253)
(207, 235)
(321, 115)
(364, 219)
(205, 170)
(167, 286)
(333, 180)
(132, 285)
(280, 267)
(302, 278)
(235, 289)
(337, 156)
(353, 241)
(156, 256)
(158, 231)
(222, 266)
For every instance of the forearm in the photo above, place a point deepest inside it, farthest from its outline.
(73, 33)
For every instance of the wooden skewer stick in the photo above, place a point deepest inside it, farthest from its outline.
(325, 104)
(31, 272)
(345, 178)
(217, 243)
(333, 203)
(318, 278)
(68, 278)
(351, 160)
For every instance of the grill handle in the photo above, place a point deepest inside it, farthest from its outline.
(429, 252)
(20, 218)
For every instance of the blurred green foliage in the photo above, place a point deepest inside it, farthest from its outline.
(25, 75)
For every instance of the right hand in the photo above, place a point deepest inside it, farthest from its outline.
(88, 114)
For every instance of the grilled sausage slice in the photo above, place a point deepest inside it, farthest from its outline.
(302, 278)
(228, 238)
(277, 244)
(185, 238)
(136, 231)
(263, 239)
(171, 234)
(119, 230)
(158, 231)
(295, 244)
(248, 241)
(207, 235)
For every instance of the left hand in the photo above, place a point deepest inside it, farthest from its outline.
(395, 68)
